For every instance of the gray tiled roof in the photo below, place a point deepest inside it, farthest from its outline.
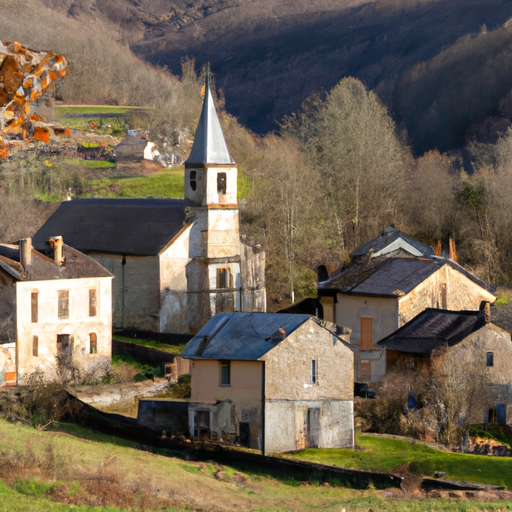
(43, 268)
(241, 336)
(433, 328)
(120, 226)
(393, 238)
(390, 277)
(209, 144)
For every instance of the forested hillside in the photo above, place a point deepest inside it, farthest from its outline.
(438, 65)
(340, 167)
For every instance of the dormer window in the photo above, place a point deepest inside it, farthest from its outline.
(193, 180)
(221, 182)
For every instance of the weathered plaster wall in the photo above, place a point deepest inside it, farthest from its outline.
(212, 194)
(286, 424)
(223, 233)
(348, 312)
(288, 366)
(79, 325)
(245, 393)
(445, 289)
(252, 279)
(7, 308)
(136, 290)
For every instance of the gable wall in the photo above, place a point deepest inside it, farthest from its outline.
(288, 366)
(445, 289)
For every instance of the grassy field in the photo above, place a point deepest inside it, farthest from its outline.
(173, 349)
(167, 183)
(384, 454)
(85, 469)
(62, 110)
(92, 164)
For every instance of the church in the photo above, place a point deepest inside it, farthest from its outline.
(176, 263)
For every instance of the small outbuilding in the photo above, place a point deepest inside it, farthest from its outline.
(274, 382)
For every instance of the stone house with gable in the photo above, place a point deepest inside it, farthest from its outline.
(468, 341)
(374, 296)
(55, 314)
(177, 263)
(274, 382)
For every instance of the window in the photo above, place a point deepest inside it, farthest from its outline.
(314, 371)
(366, 340)
(92, 302)
(63, 304)
(93, 343)
(224, 278)
(35, 346)
(34, 306)
(490, 359)
(193, 178)
(221, 182)
(225, 373)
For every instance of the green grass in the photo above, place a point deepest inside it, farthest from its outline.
(167, 183)
(92, 164)
(95, 109)
(173, 349)
(195, 485)
(146, 371)
(384, 454)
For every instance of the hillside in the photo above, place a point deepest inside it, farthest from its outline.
(269, 56)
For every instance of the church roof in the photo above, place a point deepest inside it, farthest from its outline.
(120, 226)
(209, 144)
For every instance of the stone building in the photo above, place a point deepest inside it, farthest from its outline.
(274, 382)
(467, 342)
(176, 263)
(374, 296)
(55, 314)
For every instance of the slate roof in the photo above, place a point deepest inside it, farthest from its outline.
(393, 239)
(209, 144)
(390, 277)
(43, 268)
(241, 336)
(120, 226)
(433, 328)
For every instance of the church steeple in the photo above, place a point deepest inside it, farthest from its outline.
(210, 171)
(209, 144)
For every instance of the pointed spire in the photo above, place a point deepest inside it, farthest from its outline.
(209, 144)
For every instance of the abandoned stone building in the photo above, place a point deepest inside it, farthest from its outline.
(176, 263)
(374, 296)
(55, 314)
(271, 381)
(471, 346)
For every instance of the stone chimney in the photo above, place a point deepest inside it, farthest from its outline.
(55, 243)
(484, 314)
(25, 245)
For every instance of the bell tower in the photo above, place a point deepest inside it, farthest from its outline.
(211, 198)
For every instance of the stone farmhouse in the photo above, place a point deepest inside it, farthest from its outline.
(176, 263)
(374, 296)
(55, 314)
(468, 342)
(272, 382)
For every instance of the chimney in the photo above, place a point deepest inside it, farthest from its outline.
(55, 243)
(453, 251)
(485, 312)
(25, 245)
